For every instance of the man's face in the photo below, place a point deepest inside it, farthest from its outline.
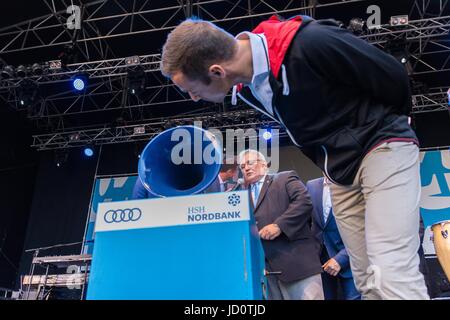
(252, 168)
(214, 92)
(232, 174)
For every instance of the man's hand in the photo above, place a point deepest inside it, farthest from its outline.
(332, 267)
(270, 232)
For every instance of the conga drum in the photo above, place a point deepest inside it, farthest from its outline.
(441, 240)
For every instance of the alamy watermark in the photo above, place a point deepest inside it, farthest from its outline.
(374, 20)
(74, 20)
(374, 278)
(190, 149)
(74, 281)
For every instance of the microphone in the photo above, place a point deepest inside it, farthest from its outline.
(239, 183)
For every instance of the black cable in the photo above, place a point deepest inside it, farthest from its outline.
(55, 246)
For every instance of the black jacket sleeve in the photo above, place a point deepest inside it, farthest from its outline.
(298, 214)
(342, 59)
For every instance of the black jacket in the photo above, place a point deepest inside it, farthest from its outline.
(346, 96)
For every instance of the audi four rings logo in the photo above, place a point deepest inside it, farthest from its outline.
(122, 215)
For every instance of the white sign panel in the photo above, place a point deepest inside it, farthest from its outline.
(173, 211)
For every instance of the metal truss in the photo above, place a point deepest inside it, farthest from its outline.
(418, 31)
(426, 39)
(242, 119)
(436, 100)
(94, 69)
(428, 8)
(159, 91)
(429, 56)
(51, 30)
(120, 18)
(124, 18)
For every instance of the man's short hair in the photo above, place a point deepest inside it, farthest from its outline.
(193, 46)
(229, 164)
(259, 155)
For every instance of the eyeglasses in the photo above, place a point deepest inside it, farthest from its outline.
(249, 163)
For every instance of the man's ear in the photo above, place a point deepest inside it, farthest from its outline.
(216, 71)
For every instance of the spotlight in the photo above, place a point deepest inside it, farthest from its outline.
(88, 151)
(37, 69)
(448, 96)
(74, 137)
(21, 71)
(267, 134)
(136, 81)
(138, 130)
(402, 20)
(55, 64)
(7, 72)
(27, 93)
(132, 61)
(79, 82)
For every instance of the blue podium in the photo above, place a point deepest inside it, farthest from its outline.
(186, 247)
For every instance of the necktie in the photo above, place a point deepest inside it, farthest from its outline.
(256, 192)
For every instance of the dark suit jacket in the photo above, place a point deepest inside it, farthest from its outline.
(213, 187)
(284, 200)
(326, 232)
(139, 191)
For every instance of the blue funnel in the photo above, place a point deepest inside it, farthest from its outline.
(183, 160)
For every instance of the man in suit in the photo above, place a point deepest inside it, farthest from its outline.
(282, 211)
(139, 191)
(333, 255)
(227, 177)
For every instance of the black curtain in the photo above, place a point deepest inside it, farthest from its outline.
(18, 165)
(60, 204)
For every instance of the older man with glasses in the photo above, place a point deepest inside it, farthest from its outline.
(282, 210)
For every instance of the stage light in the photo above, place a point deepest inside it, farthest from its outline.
(139, 130)
(132, 61)
(402, 20)
(88, 151)
(357, 25)
(37, 69)
(7, 72)
(448, 96)
(61, 157)
(136, 81)
(27, 93)
(74, 137)
(21, 71)
(79, 83)
(399, 50)
(55, 64)
(267, 134)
